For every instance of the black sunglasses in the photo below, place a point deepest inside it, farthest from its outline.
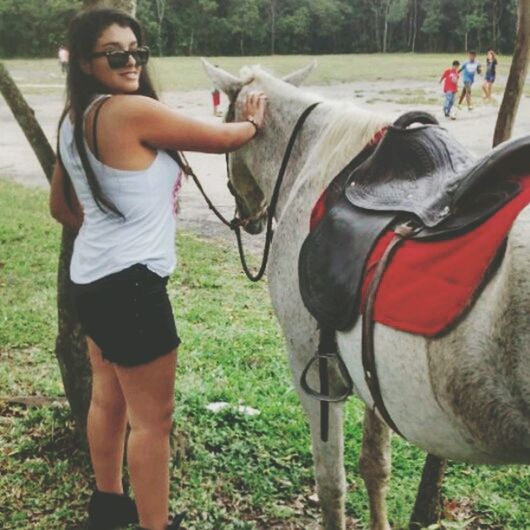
(120, 58)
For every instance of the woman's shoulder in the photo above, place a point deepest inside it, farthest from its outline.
(132, 102)
(131, 107)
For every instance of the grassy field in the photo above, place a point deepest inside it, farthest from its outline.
(232, 472)
(186, 73)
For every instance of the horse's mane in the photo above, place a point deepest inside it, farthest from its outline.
(345, 131)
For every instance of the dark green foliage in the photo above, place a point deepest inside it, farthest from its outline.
(34, 28)
(258, 27)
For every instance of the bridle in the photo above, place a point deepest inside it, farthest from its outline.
(237, 222)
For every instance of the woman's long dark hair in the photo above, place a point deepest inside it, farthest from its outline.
(83, 33)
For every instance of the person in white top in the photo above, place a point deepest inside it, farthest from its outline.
(115, 184)
(62, 55)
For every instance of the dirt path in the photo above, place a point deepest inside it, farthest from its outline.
(474, 129)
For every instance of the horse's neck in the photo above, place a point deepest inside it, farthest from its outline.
(326, 143)
(305, 143)
(266, 156)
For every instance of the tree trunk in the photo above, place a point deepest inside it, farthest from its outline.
(273, 27)
(190, 49)
(25, 117)
(413, 22)
(70, 347)
(376, 23)
(517, 77)
(160, 11)
(126, 5)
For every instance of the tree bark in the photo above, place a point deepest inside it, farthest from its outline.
(70, 344)
(273, 26)
(415, 26)
(190, 49)
(126, 5)
(517, 76)
(25, 117)
(70, 348)
(160, 11)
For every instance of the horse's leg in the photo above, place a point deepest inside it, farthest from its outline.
(428, 506)
(375, 467)
(328, 456)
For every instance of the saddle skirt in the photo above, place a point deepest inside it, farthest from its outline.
(431, 284)
(420, 174)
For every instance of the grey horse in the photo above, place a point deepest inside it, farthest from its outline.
(465, 396)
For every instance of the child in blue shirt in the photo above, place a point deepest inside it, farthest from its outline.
(469, 69)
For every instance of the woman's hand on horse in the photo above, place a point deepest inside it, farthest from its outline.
(254, 108)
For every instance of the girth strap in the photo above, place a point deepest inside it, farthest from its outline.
(403, 232)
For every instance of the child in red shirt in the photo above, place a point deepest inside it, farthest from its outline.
(450, 76)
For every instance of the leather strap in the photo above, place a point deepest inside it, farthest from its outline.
(255, 277)
(94, 126)
(327, 351)
(402, 232)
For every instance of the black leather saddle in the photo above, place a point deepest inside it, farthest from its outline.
(421, 175)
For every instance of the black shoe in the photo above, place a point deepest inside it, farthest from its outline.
(176, 522)
(110, 510)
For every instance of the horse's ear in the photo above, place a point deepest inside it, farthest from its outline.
(298, 77)
(224, 81)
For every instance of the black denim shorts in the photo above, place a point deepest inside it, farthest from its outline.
(128, 315)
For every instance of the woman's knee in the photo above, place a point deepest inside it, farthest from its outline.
(110, 404)
(158, 420)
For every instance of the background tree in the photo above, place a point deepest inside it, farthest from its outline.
(126, 5)
(517, 77)
(34, 28)
(160, 12)
(244, 22)
(273, 10)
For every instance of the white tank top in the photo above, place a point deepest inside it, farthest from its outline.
(107, 243)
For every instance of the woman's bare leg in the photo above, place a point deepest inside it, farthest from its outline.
(149, 394)
(106, 424)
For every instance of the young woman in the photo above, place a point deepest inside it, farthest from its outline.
(116, 184)
(491, 74)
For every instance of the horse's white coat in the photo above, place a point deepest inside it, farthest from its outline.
(465, 396)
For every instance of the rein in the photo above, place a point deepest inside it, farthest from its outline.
(236, 223)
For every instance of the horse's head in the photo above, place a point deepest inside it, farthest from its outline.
(252, 190)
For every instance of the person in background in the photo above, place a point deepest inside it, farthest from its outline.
(469, 69)
(450, 78)
(216, 100)
(491, 73)
(63, 56)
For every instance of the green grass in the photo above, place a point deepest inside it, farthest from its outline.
(231, 471)
(186, 73)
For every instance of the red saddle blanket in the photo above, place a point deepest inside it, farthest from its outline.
(428, 286)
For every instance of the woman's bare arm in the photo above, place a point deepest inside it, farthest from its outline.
(64, 205)
(160, 127)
